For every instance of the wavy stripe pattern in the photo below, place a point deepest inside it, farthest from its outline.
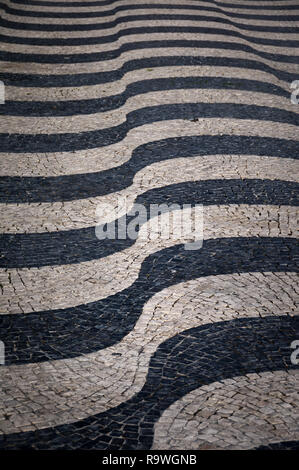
(129, 7)
(108, 136)
(137, 88)
(161, 38)
(138, 342)
(125, 364)
(190, 422)
(174, 357)
(82, 213)
(67, 77)
(159, 270)
(104, 120)
(41, 249)
(51, 287)
(163, 24)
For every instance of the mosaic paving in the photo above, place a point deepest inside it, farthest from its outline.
(139, 343)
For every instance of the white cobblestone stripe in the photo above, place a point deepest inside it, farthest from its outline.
(280, 39)
(32, 289)
(43, 64)
(175, 358)
(239, 413)
(70, 215)
(51, 393)
(243, 75)
(275, 7)
(165, 112)
(249, 4)
(197, 40)
(104, 120)
(43, 22)
(105, 90)
(45, 17)
(137, 344)
(91, 161)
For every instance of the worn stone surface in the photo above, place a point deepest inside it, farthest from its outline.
(242, 413)
(142, 343)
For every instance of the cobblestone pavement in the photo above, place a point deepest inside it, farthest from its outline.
(141, 343)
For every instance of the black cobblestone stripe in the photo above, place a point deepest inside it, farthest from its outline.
(79, 245)
(142, 6)
(125, 19)
(191, 359)
(31, 143)
(111, 2)
(15, 189)
(71, 332)
(284, 445)
(39, 41)
(85, 79)
(65, 58)
(89, 106)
